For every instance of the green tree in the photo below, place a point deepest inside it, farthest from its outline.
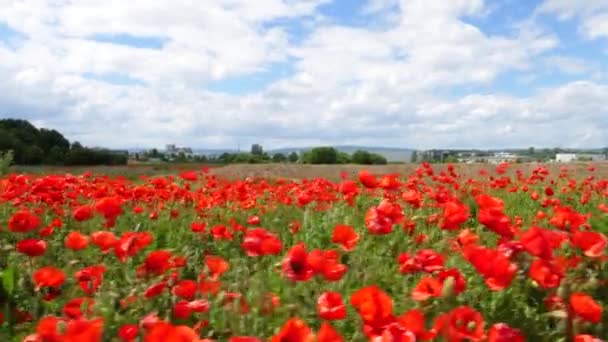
(378, 159)
(279, 158)
(49, 138)
(343, 158)
(362, 157)
(55, 156)
(293, 157)
(323, 155)
(34, 155)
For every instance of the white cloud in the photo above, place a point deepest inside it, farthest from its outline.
(569, 65)
(592, 13)
(395, 85)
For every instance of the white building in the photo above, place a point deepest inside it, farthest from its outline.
(565, 157)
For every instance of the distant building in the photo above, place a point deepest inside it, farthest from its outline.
(433, 155)
(565, 157)
(172, 149)
(571, 157)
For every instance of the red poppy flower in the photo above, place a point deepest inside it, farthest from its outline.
(327, 333)
(586, 338)
(374, 305)
(326, 263)
(253, 220)
(546, 273)
(425, 260)
(466, 238)
(48, 276)
(216, 265)
(592, 244)
(181, 310)
(415, 322)
(541, 242)
(74, 308)
(130, 244)
(493, 265)
(128, 332)
(165, 332)
(46, 329)
(454, 215)
(459, 283)
(295, 265)
(492, 216)
(221, 232)
(585, 307)
(188, 176)
(413, 198)
(198, 227)
(83, 330)
(185, 289)
(346, 236)
(427, 287)
(501, 332)
(76, 241)
(23, 222)
(83, 213)
(380, 220)
(109, 207)
(295, 330)
(104, 240)
(157, 262)
(155, 289)
(90, 278)
(367, 179)
(331, 307)
(259, 242)
(566, 217)
(31, 247)
(462, 323)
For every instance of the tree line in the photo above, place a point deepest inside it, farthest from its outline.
(36, 146)
(257, 155)
(317, 155)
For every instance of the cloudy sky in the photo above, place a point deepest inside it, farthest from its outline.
(217, 73)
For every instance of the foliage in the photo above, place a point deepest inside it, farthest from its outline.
(322, 155)
(279, 158)
(33, 146)
(293, 157)
(343, 158)
(367, 158)
(512, 255)
(6, 160)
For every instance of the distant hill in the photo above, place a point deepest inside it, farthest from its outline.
(392, 154)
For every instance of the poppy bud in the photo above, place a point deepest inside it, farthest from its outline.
(448, 287)
(592, 283)
(562, 291)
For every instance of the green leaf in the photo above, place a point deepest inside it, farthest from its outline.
(8, 280)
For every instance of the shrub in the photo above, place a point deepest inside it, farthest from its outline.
(323, 155)
(6, 159)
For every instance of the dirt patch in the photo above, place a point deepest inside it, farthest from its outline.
(332, 172)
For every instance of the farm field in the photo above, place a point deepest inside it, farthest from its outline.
(288, 252)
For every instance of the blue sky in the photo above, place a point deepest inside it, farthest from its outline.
(401, 73)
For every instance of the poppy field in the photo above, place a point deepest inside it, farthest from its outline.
(431, 255)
